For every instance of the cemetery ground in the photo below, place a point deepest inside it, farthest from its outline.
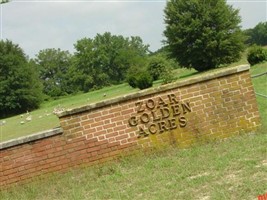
(233, 169)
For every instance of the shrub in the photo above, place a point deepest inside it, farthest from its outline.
(167, 75)
(139, 77)
(155, 66)
(256, 54)
(132, 73)
(131, 80)
(144, 80)
(160, 67)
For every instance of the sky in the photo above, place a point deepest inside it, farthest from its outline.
(40, 24)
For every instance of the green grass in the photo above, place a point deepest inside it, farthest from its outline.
(233, 169)
(260, 86)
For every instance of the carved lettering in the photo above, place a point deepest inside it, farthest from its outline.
(150, 104)
(173, 99)
(172, 123)
(153, 128)
(161, 102)
(133, 121)
(145, 118)
(158, 116)
(140, 107)
(182, 121)
(186, 107)
(165, 112)
(155, 117)
(176, 109)
(162, 126)
(142, 133)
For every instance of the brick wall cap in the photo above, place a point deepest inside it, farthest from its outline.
(30, 138)
(212, 74)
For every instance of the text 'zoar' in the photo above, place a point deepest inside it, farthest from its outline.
(158, 115)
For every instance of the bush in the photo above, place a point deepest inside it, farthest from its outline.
(132, 73)
(256, 54)
(167, 75)
(144, 80)
(139, 77)
(160, 67)
(155, 66)
(131, 80)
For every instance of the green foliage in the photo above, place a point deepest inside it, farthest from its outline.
(258, 34)
(20, 89)
(203, 34)
(155, 66)
(159, 67)
(256, 54)
(167, 75)
(53, 66)
(132, 81)
(105, 60)
(4, 1)
(134, 72)
(144, 80)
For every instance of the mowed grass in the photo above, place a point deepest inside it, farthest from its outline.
(260, 87)
(44, 119)
(230, 170)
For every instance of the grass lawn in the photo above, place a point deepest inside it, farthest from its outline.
(260, 86)
(233, 169)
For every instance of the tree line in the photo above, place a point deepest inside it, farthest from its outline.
(199, 35)
(97, 62)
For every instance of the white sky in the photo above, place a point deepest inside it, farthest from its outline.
(41, 24)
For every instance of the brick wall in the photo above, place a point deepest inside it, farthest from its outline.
(212, 106)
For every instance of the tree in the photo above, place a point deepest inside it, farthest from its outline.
(203, 34)
(20, 89)
(4, 1)
(53, 66)
(105, 60)
(257, 35)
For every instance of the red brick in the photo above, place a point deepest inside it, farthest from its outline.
(122, 137)
(114, 110)
(110, 135)
(96, 148)
(103, 132)
(127, 111)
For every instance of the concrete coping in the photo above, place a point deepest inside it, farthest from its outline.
(179, 83)
(30, 138)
